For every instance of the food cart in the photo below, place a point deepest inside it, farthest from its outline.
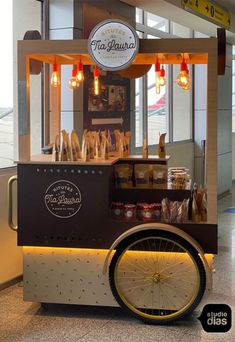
(77, 252)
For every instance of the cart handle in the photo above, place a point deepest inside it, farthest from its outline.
(10, 203)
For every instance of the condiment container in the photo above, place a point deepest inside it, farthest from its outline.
(117, 209)
(129, 211)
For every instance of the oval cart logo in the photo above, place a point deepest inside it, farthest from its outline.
(113, 44)
(63, 199)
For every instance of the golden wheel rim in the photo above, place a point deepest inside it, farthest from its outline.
(157, 278)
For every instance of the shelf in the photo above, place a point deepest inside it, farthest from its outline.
(47, 159)
(150, 158)
(188, 188)
(150, 195)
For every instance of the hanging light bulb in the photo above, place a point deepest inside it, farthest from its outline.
(55, 78)
(73, 82)
(183, 77)
(80, 74)
(162, 79)
(187, 86)
(96, 80)
(157, 76)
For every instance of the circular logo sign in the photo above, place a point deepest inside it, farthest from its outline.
(63, 199)
(113, 44)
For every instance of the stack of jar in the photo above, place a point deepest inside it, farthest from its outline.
(141, 211)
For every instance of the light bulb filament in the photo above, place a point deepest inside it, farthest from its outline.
(55, 78)
(96, 85)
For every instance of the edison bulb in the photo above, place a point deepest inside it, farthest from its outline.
(80, 76)
(55, 79)
(96, 86)
(157, 83)
(73, 83)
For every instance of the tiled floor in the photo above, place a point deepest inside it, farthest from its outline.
(26, 322)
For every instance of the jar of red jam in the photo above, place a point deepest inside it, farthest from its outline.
(157, 208)
(139, 209)
(129, 211)
(117, 210)
(147, 212)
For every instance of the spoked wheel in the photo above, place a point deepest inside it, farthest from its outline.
(157, 276)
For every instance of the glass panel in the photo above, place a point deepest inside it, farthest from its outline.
(157, 22)
(233, 110)
(138, 113)
(181, 109)
(233, 91)
(157, 109)
(139, 34)
(139, 107)
(152, 37)
(200, 35)
(139, 15)
(180, 30)
(6, 85)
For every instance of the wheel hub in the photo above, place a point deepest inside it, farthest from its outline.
(157, 278)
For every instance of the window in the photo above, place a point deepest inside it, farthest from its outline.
(6, 85)
(157, 113)
(181, 109)
(181, 99)
(139, 15)
(233, 92)
(138, 114)
(157, 22)
(170, 111)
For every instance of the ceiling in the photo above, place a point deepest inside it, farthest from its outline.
(172, 10)
(228, 4)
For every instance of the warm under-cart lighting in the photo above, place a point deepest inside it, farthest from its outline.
(73, 82)
(55, 77)
(96, 81)
(80, 74)
(183, 79)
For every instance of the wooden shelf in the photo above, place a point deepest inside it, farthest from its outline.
(149, 195)
(47, 159)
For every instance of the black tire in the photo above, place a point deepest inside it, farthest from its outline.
(146, 265)
(45, 306)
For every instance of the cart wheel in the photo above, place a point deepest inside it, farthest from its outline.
(45, 306)
(157, 276)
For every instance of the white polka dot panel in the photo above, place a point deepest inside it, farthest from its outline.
(64, 275)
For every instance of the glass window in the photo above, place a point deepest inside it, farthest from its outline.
(139, 107)
(157, 113)
(180, 30)
(139, 15)
(170, 110)
(6, 85)
(181, 108)
(138, 113)
(157, 22)
(233, 92)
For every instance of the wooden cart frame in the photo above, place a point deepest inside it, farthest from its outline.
(198, 51)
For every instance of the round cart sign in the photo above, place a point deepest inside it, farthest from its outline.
(113, 44)
(63, 199)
